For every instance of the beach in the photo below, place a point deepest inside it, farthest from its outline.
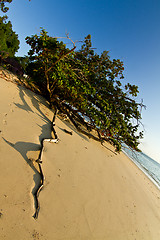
(89, 192)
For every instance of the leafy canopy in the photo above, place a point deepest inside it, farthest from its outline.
(9, 43)
(87, 87)
(3, 5)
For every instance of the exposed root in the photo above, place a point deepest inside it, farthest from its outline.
(39, 161)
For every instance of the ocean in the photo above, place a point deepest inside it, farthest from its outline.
(149, 166)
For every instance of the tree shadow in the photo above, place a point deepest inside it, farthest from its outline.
(25, 105)
(23, 148)
(36, 102)
(71, 127)
(109, 149)
(45, 132)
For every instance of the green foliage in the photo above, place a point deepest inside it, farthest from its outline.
(3, 5)
(9, 43)
(86, 85)
(23, 61)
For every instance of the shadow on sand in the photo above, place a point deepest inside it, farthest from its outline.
(73, 128)
(24, 147)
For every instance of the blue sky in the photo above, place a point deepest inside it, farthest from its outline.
(128, 29)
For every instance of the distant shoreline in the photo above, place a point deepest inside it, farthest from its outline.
(143, 169)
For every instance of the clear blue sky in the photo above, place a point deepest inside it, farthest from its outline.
(129, 29)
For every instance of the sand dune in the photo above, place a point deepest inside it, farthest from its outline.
(89, 192)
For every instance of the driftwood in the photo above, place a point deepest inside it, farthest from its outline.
(55, 139)
(39, 162)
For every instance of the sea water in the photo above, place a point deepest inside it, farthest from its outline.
(149, 166)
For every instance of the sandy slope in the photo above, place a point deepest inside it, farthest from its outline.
(24, 120)
(89, 193)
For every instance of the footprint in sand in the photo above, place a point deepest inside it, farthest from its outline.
(35, 235)
(4, 122)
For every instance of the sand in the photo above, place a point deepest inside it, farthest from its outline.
(89, 192)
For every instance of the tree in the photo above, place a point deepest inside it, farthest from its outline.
(46, 54)
(3, 5)
(9, 43)
(87, 87)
